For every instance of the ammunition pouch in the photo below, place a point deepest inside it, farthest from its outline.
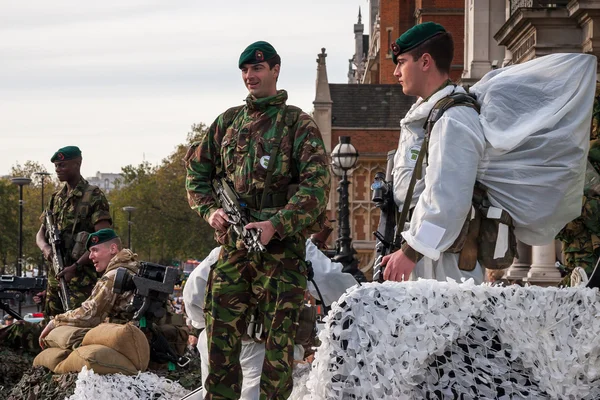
(273, 200)
(79, 242)
(487, 236)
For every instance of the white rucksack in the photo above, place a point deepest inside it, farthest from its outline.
(536, 120)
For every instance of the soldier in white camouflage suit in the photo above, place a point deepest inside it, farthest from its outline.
(107, 254)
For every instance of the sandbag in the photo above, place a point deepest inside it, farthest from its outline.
(51, 357)
(65, 337)
(536, 120)
(126, 339)
(101, 359)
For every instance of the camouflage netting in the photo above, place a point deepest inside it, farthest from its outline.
(38, 383)
(20, 381)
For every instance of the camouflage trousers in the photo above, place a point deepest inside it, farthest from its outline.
(274, 283)
(80, 288)
(21, 335)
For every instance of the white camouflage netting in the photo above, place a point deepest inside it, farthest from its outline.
(430, 339)
(143, 386)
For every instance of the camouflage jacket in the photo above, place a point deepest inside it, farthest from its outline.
(238, 145)
(103, 302)
(581, 237)
(64, 206)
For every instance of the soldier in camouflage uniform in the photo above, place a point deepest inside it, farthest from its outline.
(238, 146)
(107, 254)
(581, 237)
(79, 209)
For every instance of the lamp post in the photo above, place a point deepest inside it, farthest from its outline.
(129, 210)
(20, 181)
(42, 176)
(344, 157)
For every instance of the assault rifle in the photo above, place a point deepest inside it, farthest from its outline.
(58, 261)
(14, 288)
(383, 197)
(237, 212)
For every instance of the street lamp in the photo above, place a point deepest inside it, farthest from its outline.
(129, 210)
(42, 176)
(20, 181)
(344, 157)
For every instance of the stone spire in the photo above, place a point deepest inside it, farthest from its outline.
(322, 113)
(359, 30)
(323, 94)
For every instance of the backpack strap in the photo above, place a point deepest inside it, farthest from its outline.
(444, 104)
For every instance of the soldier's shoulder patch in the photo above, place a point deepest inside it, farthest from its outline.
(412, 154)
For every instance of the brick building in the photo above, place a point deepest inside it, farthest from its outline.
(370, 115)
(392, 18)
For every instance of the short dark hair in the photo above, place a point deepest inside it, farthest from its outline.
(273, 61)
(441, 49)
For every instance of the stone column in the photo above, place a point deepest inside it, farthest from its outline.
(520, 267)
(543, 270)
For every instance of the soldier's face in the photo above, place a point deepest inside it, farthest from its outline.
(409, 74)
(101, 254)
(260, 80)
(68, 169)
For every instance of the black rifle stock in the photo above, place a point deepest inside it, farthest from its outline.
(58, 261)
(383, 197)
(14, 288)
(230, 202)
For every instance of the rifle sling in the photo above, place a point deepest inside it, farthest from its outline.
(280, 129)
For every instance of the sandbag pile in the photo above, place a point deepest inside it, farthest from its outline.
(105, 349)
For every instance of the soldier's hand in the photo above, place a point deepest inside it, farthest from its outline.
(47, 251)
(219, 220)
(398, 267)
(68, 273)
(268, 230)
(39, 297)
(45, 333)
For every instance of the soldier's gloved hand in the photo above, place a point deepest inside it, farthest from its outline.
(219, 220)
(268, 230)
(47, 251)
(68, 273)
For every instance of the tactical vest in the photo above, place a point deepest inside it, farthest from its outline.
(74, 244)
(267, 198)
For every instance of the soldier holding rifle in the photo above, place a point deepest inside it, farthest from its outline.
(273, 157)
(77, 210)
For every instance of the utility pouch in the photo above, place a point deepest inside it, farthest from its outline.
(307, 326)
(79, 241)
(497, 241)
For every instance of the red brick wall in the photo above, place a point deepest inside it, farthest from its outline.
(369, 141)
(389, 17)
(450, 14)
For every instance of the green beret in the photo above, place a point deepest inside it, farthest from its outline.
(256, 53)
(101, 236)
(66, 153)
(414, 37)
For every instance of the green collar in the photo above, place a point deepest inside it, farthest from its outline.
(263, 103)
(448, 82)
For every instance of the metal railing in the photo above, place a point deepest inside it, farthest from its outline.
(516, 4)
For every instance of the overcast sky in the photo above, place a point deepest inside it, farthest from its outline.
(125, 80)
